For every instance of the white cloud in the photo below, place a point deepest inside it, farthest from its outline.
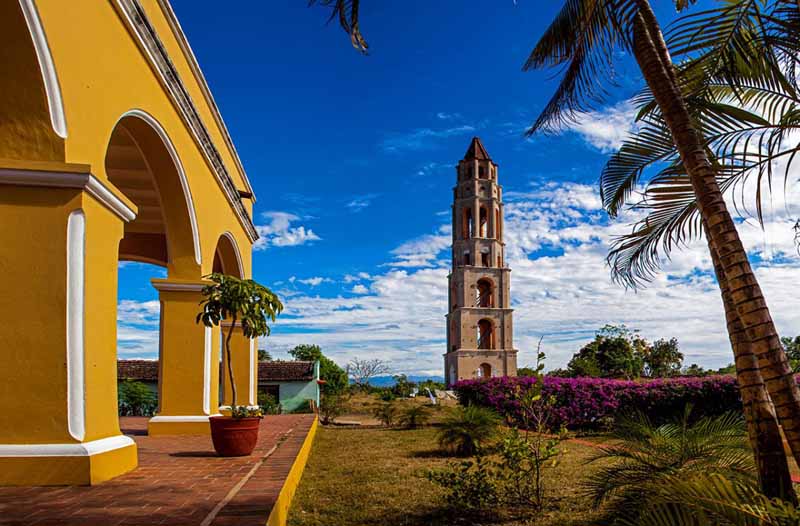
(360, 202)
(281, 233)
(606, 129)
(313, 282)
(447, 116)
(423, 251)
(359, 289)
(422, 138)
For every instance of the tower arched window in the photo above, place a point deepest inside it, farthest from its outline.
(466, 223)
(484, 294)
(482, 173)
(484, 222)
(467, 259)
(485, 370)
(485, 334)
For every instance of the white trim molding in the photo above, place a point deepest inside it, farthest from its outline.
(209, 341)
(253, 365)
(173, 153)
(238, 252)
(182, 418)
(84, 449)
(163, 285)
(85, 181)
(76, 388)
(51, 86)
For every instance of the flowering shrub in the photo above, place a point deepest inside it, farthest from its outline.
(584, 403)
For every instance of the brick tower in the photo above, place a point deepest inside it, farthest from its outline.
(479, 328)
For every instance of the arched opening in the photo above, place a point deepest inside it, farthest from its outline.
(485, 370)
(466, 223)
(143, 165)
(227, 258)
(161, 242)
(484, 221)
(498, 233)
(482, 173)
(486, 258)
(485, 334)
(31, 109)
(452, 375)
(484, 293)
(466, 260)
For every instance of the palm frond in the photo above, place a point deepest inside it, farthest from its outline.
(346, 12)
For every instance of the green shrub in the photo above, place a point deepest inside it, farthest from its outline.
(465, 429)
(386, 412)
(646, 458)
(414, 416)
(269, 404)
(470, 486)
(135, 399)
(331, 406)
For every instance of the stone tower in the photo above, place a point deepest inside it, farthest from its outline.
(479, 328)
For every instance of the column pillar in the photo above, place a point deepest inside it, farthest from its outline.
(60, 234)
(476, 217)
(245, 364)
(188, 376)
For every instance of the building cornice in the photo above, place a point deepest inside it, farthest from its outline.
(170, 285)
(142, 29)
(70, 179)
(183, 42)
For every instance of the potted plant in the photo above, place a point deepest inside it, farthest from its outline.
(251, 305)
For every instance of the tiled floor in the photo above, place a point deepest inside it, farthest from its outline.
(179, 481)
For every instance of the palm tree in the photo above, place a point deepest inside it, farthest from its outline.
(767, 105)
(738, 48)
(464, 429)
(582, 39)
(635, 469)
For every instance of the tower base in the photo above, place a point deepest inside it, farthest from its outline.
(467, 364)
(81, 463)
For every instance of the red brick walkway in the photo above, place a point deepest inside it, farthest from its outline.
(179, 481)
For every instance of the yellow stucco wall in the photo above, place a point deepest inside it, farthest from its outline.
(103, 75)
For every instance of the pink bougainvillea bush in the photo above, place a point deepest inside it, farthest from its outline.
(586, 403)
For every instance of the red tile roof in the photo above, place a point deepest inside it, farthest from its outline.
(476, 150)
(142, 370)
(278, 371)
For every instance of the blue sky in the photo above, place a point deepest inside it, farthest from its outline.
(352, 157)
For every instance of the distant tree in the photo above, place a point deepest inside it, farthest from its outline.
(616, 352)
(791, 346)
(362, 371)
(402, 385)
(728, 369)
(264, 356)
(526, 371)
(335, 377)
(694, 370)
(663, 358)
(431, 385)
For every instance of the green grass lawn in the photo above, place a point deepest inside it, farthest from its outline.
(377, 477)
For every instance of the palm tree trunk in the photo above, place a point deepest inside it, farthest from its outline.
(743, 287)
(763, 431)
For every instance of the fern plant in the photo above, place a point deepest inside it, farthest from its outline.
(465, 429)
(711, 500)
(414, 416)
(646, 457)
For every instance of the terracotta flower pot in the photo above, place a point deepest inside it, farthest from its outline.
(234, 437)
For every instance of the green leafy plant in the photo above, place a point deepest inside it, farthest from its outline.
(332, 405)
(706, 499)
(470, 486)
(414, 416)
(269, 404)
(646, 458)
(386, 412)
(465, 429)
(135, 399)
(239, 300)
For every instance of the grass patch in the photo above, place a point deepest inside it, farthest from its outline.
(377, 477)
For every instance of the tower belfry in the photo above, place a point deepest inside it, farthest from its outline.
(479, 327)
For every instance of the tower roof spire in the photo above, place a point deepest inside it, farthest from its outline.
(476, 150)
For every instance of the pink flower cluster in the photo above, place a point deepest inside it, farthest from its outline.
(584, 403)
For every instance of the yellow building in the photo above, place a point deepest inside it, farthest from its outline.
(111, 149)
